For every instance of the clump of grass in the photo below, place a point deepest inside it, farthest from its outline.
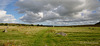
(61, 31)
(58, 35)
(14, 30)
(26, 33)
(92, 28)
(8, 44)
(51, 31)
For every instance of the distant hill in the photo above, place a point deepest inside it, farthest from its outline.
(98, 24)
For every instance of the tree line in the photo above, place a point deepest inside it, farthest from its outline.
(11, 24)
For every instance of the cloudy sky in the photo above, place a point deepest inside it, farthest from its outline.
(48, 12)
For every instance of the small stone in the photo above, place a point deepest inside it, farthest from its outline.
(61, 33)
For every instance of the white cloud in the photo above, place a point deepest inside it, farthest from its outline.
(59, 10)
(6, 18)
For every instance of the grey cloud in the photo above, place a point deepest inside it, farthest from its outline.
(58, 10)
(31, 17)
(72, 23)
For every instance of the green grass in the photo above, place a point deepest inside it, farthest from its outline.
(46, 36)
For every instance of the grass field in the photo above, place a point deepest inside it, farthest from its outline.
(46, 36)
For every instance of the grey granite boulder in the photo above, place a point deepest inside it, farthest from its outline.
(61, 33)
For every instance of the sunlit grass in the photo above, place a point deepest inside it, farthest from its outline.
(46, 36)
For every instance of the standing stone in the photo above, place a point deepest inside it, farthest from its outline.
(4, 30)
(61, 33)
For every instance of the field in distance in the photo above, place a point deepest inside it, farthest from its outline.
(49, 36)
